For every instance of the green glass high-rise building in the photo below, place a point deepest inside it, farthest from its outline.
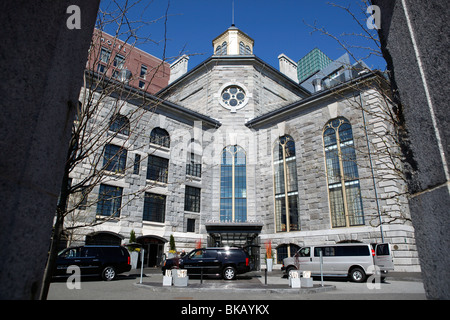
(311, 63)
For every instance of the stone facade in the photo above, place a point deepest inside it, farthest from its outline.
(200, 120)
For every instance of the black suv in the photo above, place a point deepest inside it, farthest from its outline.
(106, 261)
(227, 262)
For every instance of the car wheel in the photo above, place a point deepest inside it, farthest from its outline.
(289, 269)
(109, 273)
(229, 273)
(357, 275)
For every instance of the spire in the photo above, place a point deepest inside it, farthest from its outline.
(232, 14)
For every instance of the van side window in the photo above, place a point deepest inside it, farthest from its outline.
(361, 250)
(326, 251)
(304, 252)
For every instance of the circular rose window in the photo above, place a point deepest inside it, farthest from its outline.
(233, 97)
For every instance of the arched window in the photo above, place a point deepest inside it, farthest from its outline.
(120, 124)
(241, 48)
(342, 174)
(286, 251)
(160, 137)
(222, 50)
(244, 49)
(286, 186)
(233, 185)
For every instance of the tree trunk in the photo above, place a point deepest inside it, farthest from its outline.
(57, 228)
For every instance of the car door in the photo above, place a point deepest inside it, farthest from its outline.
(90, 260)
(211, 263)
(383, 256)
(67, 258)
(193, 261)
(303, 259)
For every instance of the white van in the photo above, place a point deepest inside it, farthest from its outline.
(355, 260)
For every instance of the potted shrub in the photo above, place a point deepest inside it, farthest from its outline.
(134, 249)
(172, 248)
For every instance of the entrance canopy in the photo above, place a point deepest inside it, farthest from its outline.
(235, 234)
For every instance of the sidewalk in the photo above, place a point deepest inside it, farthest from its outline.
(251, 282)
(276, 276)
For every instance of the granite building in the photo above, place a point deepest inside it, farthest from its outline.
(236, 152)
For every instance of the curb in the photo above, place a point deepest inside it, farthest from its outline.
(158, 287)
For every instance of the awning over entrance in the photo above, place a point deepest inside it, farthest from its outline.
(236, 234)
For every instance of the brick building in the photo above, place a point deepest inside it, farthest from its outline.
(123, 61)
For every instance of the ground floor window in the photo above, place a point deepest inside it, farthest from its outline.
(286, 251)
(190, 225)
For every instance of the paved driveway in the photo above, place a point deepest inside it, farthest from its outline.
(126, 288)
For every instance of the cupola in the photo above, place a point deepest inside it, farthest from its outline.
(233, 42)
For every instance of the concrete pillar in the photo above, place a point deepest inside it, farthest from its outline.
(415, 42)
(42, 63)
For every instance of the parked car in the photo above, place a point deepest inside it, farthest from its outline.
(227, 262)
(106, 261)
(355, 260)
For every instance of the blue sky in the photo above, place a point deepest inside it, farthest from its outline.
(277, 26)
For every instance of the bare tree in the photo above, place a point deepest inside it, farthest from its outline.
(106, 127)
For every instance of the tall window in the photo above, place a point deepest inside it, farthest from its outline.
(157, 169)
(104, 55)
(233, 185)
(286, 186)
(119, 61)
(160, 137)
(143, 71)
(120, 124)
(342, 173)
(109, 201)
(154, 207)
(192, 199)
(114, 158)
